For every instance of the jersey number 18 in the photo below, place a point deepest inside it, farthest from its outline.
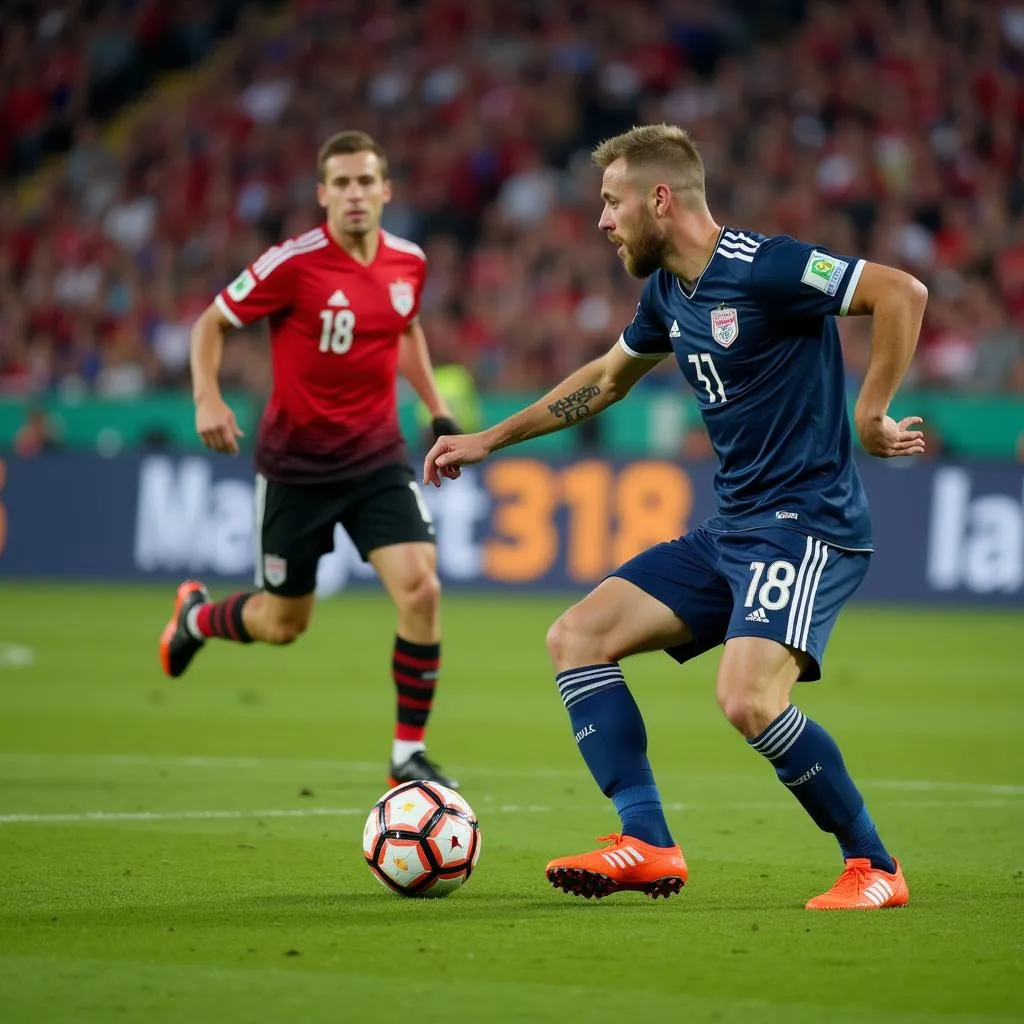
(337, 331)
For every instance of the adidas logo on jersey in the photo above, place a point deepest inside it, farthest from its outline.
(673, 331)
(757, 615)
(339, 298)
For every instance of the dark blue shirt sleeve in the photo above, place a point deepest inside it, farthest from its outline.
(793, 277)
(647, 336)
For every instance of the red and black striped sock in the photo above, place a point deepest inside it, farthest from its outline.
(221, 618)
(414, 667)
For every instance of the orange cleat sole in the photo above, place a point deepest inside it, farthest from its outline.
(594, 885)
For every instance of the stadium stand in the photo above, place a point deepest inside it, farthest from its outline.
(892, 130)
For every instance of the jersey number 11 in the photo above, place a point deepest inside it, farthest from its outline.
(716, 393)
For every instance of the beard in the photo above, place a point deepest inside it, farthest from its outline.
(646, 253)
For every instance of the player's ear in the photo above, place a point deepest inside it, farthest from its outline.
(386, 190)
(321, 194)
(661, 194)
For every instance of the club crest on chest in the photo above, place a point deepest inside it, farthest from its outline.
(725, 325)
(402, 297)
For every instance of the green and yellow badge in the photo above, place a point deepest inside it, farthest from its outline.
(824, 272)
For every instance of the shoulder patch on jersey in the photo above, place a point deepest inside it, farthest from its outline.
(402, 245)
(824, 272)
(241, 286)
(725, 325)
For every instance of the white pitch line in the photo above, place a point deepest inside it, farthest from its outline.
(87, 817)
(295, 812)
(374, 767)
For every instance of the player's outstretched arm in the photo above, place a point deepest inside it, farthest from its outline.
(896, 302)
(582, 394)
(215, 422)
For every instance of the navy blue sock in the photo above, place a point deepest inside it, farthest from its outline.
(807, 761)
(612, 738)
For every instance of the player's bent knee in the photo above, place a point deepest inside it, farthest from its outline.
(571, 643)
(423, 594)
(749, 710)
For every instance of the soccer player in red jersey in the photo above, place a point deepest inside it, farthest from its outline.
(342, 301)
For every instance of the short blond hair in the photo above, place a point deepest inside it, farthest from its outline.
(662, 147)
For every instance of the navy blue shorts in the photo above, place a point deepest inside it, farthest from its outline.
(777, 583)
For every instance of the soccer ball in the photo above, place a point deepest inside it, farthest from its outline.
(421, 839)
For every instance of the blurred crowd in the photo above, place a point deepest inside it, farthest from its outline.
(891, 130)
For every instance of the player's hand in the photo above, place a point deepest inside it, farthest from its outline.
(441, 425)
(217, 426)
(884, 437)
(450, 453)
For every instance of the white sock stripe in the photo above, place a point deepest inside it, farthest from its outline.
(797, 589)
(772, 731)
(588, 677)
(569, 699)
(801, 610)
(810, 602)
(793, 737)
(780, 730)
(566, 681)
(784, 737)
(588, 670)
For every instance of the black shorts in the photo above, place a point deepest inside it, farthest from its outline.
(295, 523)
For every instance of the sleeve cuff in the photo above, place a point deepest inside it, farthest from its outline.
(851, 287)
(229, 314)
(656, 356)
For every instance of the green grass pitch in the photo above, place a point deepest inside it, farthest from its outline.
(189, 851)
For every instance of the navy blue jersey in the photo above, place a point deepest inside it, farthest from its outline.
(756, 339)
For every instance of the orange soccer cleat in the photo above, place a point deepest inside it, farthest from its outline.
(177, 646)
(628, 865)
(863, 887)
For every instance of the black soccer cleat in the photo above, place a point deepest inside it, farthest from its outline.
(418, 768)
(177, 646)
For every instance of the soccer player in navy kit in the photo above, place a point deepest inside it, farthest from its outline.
(749, 320)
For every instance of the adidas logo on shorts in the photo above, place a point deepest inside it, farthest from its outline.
(757, 615)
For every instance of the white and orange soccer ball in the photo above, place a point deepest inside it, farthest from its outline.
(421, 839)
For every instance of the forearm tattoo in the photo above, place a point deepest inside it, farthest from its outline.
(575, 406)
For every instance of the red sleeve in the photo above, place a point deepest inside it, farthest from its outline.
(421, 281)
(263, 288)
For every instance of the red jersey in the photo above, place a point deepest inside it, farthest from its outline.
(334, 334)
